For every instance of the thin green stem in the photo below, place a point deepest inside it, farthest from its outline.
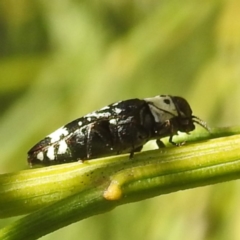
(68, 193)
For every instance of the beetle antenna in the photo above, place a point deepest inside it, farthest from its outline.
(201, 123)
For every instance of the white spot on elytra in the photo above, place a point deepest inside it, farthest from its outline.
(62, 147)
(80, 123)
(40, 156)
(105, 108)
(56, 136)
(118, 110)
(97, 115)
(113, 121)
(50, 153)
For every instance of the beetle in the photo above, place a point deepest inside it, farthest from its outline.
(121, 127)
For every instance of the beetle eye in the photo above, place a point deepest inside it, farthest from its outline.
(187, 125)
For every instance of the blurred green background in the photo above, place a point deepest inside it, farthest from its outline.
(62, 59)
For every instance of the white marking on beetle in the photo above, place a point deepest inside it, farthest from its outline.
(104, 108)
(63, 147)
(98, 115)
(113, 121)
(161, 110)
(40, 156)
(56, 136)
(117, 110)
(50, 153)
(80, 123)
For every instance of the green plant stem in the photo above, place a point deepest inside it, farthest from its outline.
(68, 193)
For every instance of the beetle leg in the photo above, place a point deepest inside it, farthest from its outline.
(160, 144)
(175, 144)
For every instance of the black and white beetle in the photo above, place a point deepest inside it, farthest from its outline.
(122, 127)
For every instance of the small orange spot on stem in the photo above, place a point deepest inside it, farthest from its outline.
(113, 192)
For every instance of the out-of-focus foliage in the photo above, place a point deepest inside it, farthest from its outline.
(62, 59)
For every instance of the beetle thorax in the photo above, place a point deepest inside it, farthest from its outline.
(162, 108)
